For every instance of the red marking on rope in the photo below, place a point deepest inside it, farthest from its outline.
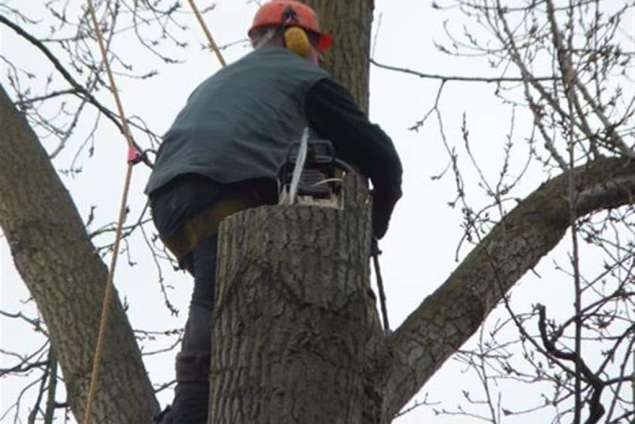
(134, 156)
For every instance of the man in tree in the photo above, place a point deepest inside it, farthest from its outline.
(223, 152)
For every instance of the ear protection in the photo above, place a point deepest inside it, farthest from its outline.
(295, 37)
(296, 40)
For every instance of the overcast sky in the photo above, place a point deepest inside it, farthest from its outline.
(420, 250)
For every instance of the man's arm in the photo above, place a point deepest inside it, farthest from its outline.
(333, 114)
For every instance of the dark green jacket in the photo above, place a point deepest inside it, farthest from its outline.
(239, 123)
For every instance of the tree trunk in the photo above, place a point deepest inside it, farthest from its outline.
(295, 316)
(65, 276)
(349, 22)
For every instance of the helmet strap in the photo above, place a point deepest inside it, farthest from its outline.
(268, 35)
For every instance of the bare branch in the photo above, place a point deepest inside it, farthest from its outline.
(448, 317)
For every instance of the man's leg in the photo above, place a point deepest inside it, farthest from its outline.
(183, 198)
(193, 362)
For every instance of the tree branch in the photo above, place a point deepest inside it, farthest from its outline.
(457, 78)
(447, 318)
(63, 71)
(78, 89)
(66, 278)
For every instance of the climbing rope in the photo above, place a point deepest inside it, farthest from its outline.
(207, 32)
(133, 157)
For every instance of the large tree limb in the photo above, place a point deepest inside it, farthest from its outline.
(56, 260)
(447, 318)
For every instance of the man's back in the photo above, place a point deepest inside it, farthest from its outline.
(239, 123)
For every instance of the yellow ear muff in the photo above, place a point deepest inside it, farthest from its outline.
(296, 40)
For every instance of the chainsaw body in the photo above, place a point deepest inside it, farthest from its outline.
(320, 181)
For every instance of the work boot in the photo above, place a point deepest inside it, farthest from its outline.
(191, 394)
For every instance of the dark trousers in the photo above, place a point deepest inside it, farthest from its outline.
(191, 394)
(183, 198)
(172, 205)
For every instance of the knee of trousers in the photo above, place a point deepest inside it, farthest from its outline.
(192, 367)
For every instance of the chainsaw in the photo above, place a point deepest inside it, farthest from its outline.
(312, 175)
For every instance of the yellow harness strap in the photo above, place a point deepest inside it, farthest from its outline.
(206, 223)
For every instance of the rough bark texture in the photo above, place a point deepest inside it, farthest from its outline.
(294, 316)
(58, 263)
(349, 22)
(448, 317)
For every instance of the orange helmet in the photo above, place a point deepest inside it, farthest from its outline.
(291, 13)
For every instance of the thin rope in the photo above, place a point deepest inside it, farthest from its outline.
(208, 34)
(133, 156)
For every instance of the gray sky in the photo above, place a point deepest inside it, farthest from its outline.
(420, 248)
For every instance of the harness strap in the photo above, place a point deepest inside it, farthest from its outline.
(206, 223)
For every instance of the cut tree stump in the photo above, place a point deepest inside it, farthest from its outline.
(295, 319)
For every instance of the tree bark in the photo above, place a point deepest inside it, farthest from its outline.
(65, 276)
(349, 22)
(295, 316)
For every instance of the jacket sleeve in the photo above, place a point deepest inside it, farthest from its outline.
(333, 114)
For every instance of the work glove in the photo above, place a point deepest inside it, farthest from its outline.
(383, 205)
